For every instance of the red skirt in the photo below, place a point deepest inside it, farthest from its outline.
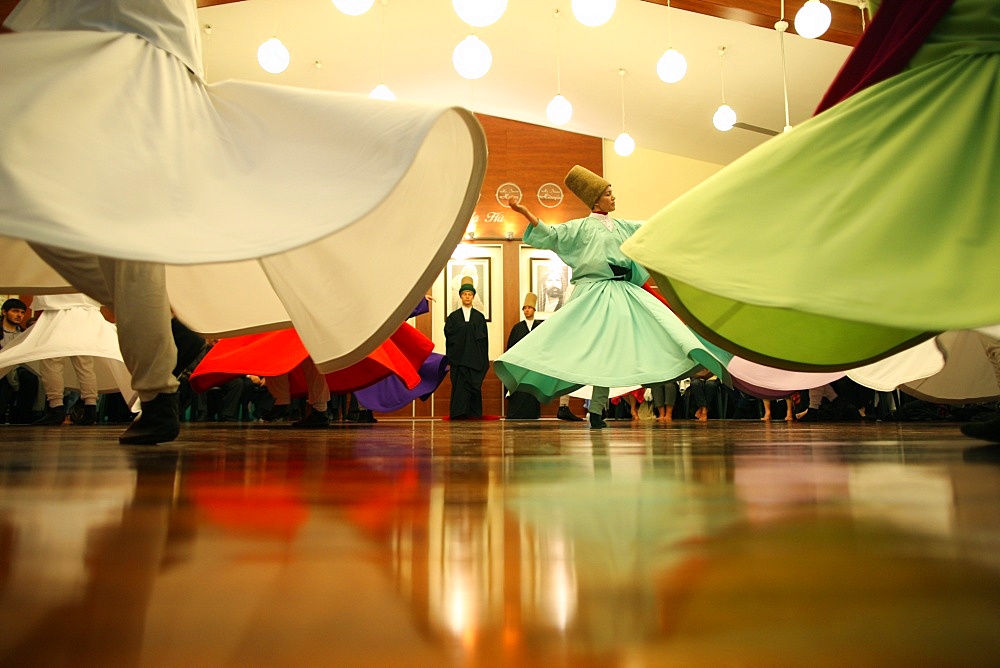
(281, 352)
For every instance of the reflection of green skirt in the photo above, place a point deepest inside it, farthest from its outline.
(610, 334)
(862, 230)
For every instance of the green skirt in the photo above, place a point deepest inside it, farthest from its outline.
(863, 231)
(610, 334)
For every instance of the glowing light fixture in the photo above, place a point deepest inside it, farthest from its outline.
(559, 109)
(381, 91)
(672, 65)
(472, 58)
(624, 144)
(813, 19)
(353, 7)
(781, 26)
(593, 13)
(725, 117)
(273, 56)
(479, 13)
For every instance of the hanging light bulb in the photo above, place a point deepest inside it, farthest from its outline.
(781, 26)
(472, 58)
(672, 66)
(353, 7)
(479, 13)
(624, 144)
(725, 117)
(382, 92)
(273, 56)
(593, 13)
(812, 19)
(559, 109)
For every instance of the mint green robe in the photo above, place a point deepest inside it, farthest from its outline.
(611, 333)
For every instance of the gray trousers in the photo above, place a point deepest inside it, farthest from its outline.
(599, 399)
(137, 293)
(54, 382)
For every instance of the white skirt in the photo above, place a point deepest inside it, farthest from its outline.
(274, 206)
(71, 332)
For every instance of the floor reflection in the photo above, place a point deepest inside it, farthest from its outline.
(428, 543)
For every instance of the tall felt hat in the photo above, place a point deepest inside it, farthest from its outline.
(467, 285)
(530, 299)
(586, 185)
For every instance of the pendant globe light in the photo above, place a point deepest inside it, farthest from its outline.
(381, 91)
(813, 19)
(272, 55)
(725, 117)
(672, 65)
(472, 58)
(559, 109)
(593, 13)
(353, 7)
(781, 27)
(479, 13)
(624, 144)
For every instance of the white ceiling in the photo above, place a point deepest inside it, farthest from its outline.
(421, 34)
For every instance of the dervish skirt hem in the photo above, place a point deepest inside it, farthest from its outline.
(610, 334)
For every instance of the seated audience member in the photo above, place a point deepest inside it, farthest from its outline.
(704, 391)
(19, 384)
(664, 397)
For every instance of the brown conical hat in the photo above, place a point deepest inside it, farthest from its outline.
(530, 299)
(586, 185)
(467, 284)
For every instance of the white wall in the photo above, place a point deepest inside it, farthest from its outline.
(646, 181)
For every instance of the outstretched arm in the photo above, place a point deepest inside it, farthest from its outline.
(516, 205)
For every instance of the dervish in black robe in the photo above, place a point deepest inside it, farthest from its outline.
(467, 349)
(522, 406)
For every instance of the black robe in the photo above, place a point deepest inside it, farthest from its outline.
(467, 349)
(522, 405)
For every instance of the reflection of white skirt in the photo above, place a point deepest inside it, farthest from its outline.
(329, 211)
(81, 331)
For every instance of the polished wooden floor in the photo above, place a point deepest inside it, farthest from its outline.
(435, 543)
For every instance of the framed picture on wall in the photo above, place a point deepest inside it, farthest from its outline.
(478, 268)
(550, 280)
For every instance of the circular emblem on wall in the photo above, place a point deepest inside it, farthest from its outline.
(506, 191)
(550, 195)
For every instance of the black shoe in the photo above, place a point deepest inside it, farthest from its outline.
(812, 415)
(366, 417)
(275, 414)
(596, 421)
(987, 430)
(315, 420)
(158, 422)
(55, 415)
(564, 413)
(85, 417)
